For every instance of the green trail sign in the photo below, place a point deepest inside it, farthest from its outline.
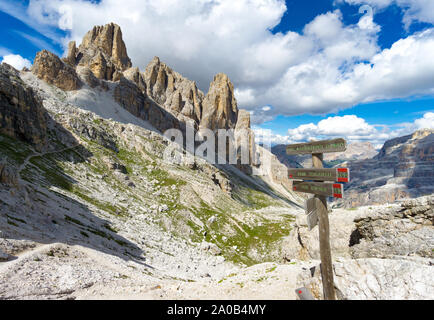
(325, 146)
(320, 188)
(333, 174)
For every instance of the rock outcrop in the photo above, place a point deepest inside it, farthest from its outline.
(407, 231)
(400, 230)
(220, 109)
(247, 154)
(373, 279)
(129, 96)
(21, 113)
(174, 92)
(103, 51)
(48, 67)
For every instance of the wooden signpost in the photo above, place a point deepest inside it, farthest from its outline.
(333, 174)
(316, 207)
(325, 146)
(312, 214)
(320, 188)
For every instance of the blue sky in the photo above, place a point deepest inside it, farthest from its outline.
(303, 68)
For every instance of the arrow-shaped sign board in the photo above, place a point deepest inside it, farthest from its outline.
(333, 174)
(325, 146)
(320, 188)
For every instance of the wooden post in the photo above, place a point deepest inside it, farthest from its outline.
(324, 238)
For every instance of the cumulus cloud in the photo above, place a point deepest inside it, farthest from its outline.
(427, 122)
(16, 61)
(350, 127)
(327, 67)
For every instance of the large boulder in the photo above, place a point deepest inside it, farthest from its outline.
(48, 67)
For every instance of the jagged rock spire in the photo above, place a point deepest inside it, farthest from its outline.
(103, 51)
(220, 109)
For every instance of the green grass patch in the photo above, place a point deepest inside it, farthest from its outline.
(271, 269)
(14, 149)
(51, 170)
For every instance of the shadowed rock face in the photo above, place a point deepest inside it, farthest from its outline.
(21, 113)
(103, 51)
(129, 96)
(48, 67)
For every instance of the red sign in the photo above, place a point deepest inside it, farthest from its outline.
(343, 175)
(338, 190)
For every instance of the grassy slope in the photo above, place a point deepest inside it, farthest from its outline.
(238, 225)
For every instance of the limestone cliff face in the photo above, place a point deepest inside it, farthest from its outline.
(174, 92)
(245, 139)
(403, 168)
(21, 113)
(220, 109)
(48, 67)
(103, 51)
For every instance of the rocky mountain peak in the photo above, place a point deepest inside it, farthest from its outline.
(220, 106)
(103, 51)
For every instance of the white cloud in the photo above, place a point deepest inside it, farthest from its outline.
(350, 127)
(327, 67)
(427, 122)
(333, 127)
(16, 61)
